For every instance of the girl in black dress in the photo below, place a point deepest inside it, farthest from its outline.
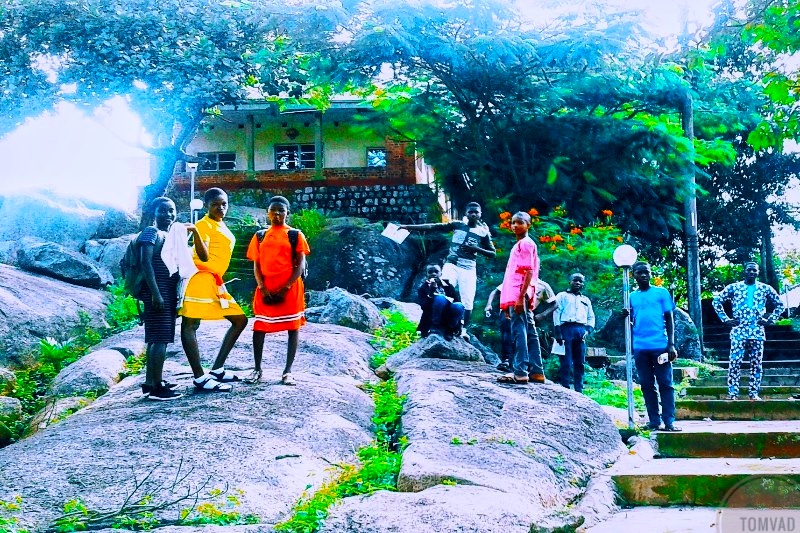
(160, 297)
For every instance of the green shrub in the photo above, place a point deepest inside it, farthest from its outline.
(310, 221)
(398, 333)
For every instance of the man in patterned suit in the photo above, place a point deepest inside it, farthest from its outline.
(749, 302)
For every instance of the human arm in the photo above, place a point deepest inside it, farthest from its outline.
(519, 305)
(544, 310)
(486, 248)
(590, 320)
(146, 250)
(669, 326)
(779, 307)
(445, 226)
(725, 295)
(489, 300)
(200, 246)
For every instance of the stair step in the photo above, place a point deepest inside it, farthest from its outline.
(660, 520)
(737, 410)
(707, 482)
(784, 380)
(757, 439)
(721, 392)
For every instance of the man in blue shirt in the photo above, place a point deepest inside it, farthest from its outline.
(653, 335)
(749, 301)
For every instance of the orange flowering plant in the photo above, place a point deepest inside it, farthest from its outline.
(565, 247)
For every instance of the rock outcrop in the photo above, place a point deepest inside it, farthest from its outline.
(108, 252)
(484, 457)
(352, 254)
(341, 307)
(54, 260)
(35, 307)
(95, 372)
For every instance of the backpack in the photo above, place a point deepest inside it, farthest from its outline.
(131, 267)
(293, 238)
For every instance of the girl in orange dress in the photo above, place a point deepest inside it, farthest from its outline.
(279, 301)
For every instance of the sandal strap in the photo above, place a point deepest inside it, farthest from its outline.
(224, 377)
(211, 385)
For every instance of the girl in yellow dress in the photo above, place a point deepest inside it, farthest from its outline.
(207, 299)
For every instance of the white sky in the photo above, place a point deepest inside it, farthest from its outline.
(70, 153)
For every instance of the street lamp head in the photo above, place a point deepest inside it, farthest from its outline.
(191, 167)
(625, 255)
(196, 204)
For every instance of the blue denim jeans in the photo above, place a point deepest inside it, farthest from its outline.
(650, 373)
(574, 355)
(527, 354)
(446, 315)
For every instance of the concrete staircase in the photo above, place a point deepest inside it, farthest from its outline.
(781, 349)
(730, 454)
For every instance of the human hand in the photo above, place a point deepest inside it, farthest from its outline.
(157, 301)
(560, 342)
(519, 307)
(190, 227)
(732, 322)
(763, 322)
(488, 311)
(625, 312)
(673, 353)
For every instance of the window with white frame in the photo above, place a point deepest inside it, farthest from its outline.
(216, 161)
(376, 157)
(294, 156)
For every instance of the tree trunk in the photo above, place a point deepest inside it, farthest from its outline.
(767, 253)
(165, 160)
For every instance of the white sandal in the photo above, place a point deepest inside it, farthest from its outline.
(210, 384)
(287, 379)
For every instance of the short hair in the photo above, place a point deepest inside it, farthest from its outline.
(437, 265)
(472, 204)
(523, 215)
(278, 200)
(751, 263)
(576, 274)
(155, 202)
(639, 264)
(212, 193)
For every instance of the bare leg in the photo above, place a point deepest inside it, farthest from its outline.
(189, 342)
(258, 348)
(156, 353)
(291, 350)
(238, 323)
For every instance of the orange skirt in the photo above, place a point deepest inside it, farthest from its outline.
(288, 315)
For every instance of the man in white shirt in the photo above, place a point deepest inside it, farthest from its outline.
(573, 319)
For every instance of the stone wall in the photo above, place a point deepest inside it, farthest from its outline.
(409, 204)
(404, 203)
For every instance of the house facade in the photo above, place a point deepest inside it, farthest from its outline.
(338, 161)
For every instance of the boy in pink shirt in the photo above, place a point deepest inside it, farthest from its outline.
(516, 295)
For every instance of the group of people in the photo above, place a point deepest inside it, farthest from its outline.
(447, 297)
(525, 300)
(186, 281)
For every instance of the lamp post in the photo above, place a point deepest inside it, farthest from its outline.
(624, 257)
(193, 204)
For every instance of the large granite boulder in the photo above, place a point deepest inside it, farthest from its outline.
(54, 260)
(432, 346)
(8, 381)
(48, 217)
(95, 372)
(347, 310)
(268, 440)
(108, 252)
(352, 254)
(687, 341)
(411, 311)
(35, 307)
(10, 408)
(116, 223)
(485, 456)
